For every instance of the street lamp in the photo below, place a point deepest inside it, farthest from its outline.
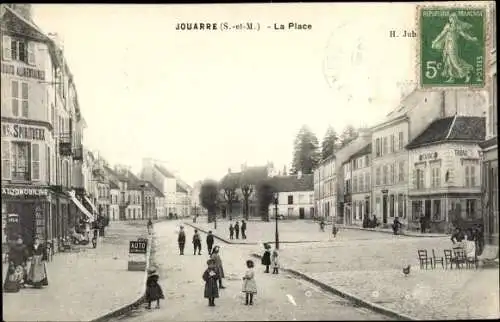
(276, 234)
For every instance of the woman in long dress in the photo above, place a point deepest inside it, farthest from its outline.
(37, 275)
(218, 265)
(447, 42)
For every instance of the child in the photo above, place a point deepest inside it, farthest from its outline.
(14, 279)
(249, 285)
(275, 262)
(153, 289)
(231, 231)
(211, 276)
(266, 258)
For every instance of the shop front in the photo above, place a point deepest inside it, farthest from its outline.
(491, 197)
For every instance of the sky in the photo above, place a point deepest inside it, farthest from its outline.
(206, 101)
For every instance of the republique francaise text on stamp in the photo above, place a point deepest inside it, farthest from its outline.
(452, 46)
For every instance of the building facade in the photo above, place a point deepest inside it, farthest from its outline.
(295, 196)
(325, 189)
(490, 149)
(360, 186)
(445, 169)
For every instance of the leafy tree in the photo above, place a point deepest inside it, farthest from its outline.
(209, 192)
(265, 196)
(348, 135)
(330, 143)
(305, 154)
(229, 185)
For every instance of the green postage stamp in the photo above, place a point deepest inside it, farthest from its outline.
(452, 46)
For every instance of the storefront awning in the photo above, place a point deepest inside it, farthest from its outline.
(81, 207)
(91, 204)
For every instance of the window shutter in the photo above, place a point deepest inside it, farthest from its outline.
(35, 162)
(25, 99)
(15, 97)
(414, 179)
(31, 53)
(466, 176)
(6, 171)
(6, 48)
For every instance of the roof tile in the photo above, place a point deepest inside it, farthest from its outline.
(293, 183)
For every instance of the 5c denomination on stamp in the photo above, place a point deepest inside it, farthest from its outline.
(452, 46)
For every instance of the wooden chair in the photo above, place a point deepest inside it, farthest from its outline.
(424, 259)
(448, 258)
(436, 260)
(460, 258)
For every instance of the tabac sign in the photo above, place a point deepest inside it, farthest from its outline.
(26, 132)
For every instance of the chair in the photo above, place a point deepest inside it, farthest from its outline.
(460, 257)
(424, 259)
(448, 258)
(436, 260)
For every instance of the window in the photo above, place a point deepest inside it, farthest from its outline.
(20, 161)
(470, 208)
(6, 172)
(436, 210)
(392, 205)
(401, 141)
(18, 50)
(47, 157)
(392, 174)
(290, 199)
(470, 175)
(19, 93)
(377, 176)
(419, 178)
(401, 173)
(384, 175)
(436, 177)
(35, 161)
(378, 151)
(393, 143)
(400, 205)
(385, 147)
(367, 160)
(290, 211)
(367, 181)
(361, 183)
(354, 184)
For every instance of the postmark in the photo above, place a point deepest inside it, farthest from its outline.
(453, 46)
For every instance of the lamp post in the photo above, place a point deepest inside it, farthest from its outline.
(276, 234)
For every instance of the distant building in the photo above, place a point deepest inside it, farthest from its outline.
(325, 189)
(295, 196)
(445, 184)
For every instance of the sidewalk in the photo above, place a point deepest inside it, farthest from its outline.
(389, 231)
(83, 286)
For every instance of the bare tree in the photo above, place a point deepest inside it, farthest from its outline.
(229, 185)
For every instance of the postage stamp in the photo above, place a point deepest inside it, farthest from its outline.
(453, 46)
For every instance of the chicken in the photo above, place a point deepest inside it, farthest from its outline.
(406, 270)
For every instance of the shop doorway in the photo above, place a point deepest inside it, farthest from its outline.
(384, 209)
(301, 213)
(427, 209)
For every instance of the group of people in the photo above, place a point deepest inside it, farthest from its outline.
(470, 239)
(27, 265)
(236, 230)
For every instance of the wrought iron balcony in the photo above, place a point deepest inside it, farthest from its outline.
(65, 144)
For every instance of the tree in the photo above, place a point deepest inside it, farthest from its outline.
(229, 185)
(305, 155)
(265, 196)
(348, 135)
(330, 143)
(284, 170)
(209, 192)
(247, 189)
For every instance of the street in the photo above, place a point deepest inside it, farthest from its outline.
(280, 297)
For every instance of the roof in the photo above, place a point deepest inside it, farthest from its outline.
(35, 31)
(452, 129)
(293, 183)
(113, 185)
(180, 188)
(151, 186)
(250, 175)
(164, 171)
(489, 143)
(367, 149)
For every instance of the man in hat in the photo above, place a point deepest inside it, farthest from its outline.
(210, 242)
(154, 291)
(181, 239)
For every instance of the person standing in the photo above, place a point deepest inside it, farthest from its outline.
(237, 230)
(37, 275)
(243, 229)
(210, 276)
(275, 261)
(266, 258)
(218, 265)
(231, 231)
(181, 240)
(210, 242)
(150, 226)
(154, 291)
(423, 223)
(249, 284)
(196, 242)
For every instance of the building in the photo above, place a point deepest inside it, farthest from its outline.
(445, 173)
(183, 198)
(39, 111)
(159, 200)
(244, 184)
(325, 189)
(129, 193)
(295, 196)
(197, 208)
(357, 186)
(114, 206)
(490, 149)
(148, 195)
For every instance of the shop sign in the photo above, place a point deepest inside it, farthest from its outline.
(428, 156)
(26, 132)
(462, 153)
(25, 191)
(23, 71)
(138, 246)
